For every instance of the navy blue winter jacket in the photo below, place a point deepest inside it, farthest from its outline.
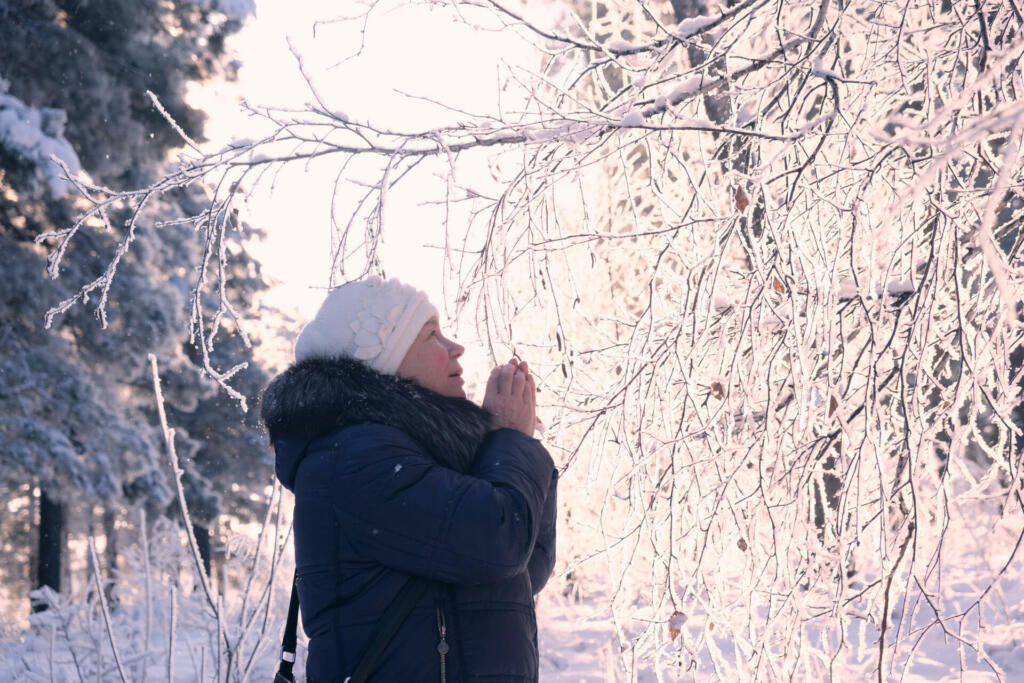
(393, 481)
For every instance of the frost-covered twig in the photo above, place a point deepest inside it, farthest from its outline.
(170, 121)
(101, 596)
(171, 632)
(168, 433)
(148, 587)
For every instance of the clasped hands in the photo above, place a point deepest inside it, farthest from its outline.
(511, 397)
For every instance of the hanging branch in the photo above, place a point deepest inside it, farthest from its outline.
(765, 262)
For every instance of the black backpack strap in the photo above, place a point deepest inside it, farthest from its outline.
(384, 633)
(284, 671)
(291, 625)
(387, 627)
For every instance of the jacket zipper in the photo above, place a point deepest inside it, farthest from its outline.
(442, 645)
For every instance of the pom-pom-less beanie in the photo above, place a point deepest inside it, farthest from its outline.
(372, 320)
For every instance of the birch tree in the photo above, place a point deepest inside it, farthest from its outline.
(764, 255)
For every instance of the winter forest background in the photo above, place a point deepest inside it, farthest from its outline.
(763, 255)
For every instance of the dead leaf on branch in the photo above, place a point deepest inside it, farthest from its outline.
(675, 624)
(742, 201)
(716, 390)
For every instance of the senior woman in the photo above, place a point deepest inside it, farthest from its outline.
(417, 512)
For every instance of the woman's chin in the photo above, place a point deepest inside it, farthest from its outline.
(455, 384)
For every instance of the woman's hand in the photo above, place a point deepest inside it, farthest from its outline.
(511, 397)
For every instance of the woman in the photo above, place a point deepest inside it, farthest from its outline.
(397, 475)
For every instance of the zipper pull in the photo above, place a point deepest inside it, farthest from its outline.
(442, 646)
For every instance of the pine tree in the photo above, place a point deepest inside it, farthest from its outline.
(76, 404)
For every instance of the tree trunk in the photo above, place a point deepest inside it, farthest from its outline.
(717, 105)
(110, 533)
(110, 553)
(738, 154)
(51, 535)
(203, 541)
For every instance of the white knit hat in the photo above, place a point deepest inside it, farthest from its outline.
(372, 320)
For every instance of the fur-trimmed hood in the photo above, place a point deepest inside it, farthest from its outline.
(320, 395)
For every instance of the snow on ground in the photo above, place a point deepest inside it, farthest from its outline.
(577, 638)
(577, 645)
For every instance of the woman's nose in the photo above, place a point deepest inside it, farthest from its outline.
(456, 350)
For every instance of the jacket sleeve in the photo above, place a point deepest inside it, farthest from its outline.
(542, 560)
(400, 508)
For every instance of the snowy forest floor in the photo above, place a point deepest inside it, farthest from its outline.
(578, 640)
(577, 645)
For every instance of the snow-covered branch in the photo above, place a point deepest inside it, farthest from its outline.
(765, 259)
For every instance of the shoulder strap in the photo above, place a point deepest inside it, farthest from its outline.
(387, 626)
(284, 671)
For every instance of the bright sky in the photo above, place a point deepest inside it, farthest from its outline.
(416, 50)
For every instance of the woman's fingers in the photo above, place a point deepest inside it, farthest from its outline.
(492, 384)
(506, 375)
(531, 384)
(518, 384)
(511, 396)
(510, 378)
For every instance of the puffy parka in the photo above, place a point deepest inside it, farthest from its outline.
(392, 481)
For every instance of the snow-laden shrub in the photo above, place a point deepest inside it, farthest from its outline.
(232, 9)
(35, 136)
(154, 621)
(163, 617)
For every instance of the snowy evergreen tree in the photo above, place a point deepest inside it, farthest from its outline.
(76, 401)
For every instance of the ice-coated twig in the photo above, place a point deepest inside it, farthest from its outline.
(172, 455)
(148, 588)
(53, 655)
(275, 493)
(170, 120)
(172, 628)
(101, 595)
(268, 588)
(221, 638)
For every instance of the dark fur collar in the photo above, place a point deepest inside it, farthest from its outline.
(320, 395)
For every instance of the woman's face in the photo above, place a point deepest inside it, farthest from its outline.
(433, 362)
